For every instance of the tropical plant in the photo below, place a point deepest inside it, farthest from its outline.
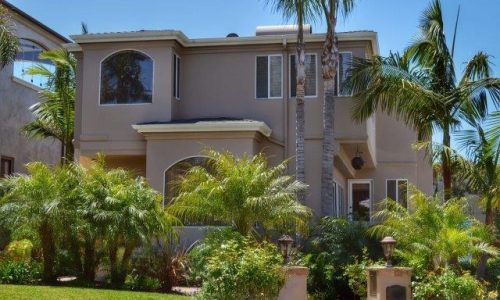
(301, 11)
(435, 235)
(356, 272)
(334, 244)
(241, 268)
(242, 192)
(330, 62)
(421, 88)
(14, 271)
(9, 43)
(55, 113)
(38, 201)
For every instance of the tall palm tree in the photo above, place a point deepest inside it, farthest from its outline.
(301, 11)
(330, 63)
(421, 87)
(9, 43)
(55, 113)
(241, 192)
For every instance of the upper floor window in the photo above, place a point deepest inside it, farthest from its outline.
(269, 76)
(345, 59)
(397, 189)
(28, 57)
(127, 78)
(311, 75)
(177, 76)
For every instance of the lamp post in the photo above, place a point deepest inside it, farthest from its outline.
(388, 244)
(285, 242)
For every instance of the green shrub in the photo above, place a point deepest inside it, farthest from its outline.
(356, 274)
(448, 286)
(19, 271)
(334, 244)
(19, 250)
(138, 282)
(238, 268)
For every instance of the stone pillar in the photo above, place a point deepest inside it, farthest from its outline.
(295, 287)
(389, 283)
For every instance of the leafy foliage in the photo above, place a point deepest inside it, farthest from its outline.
(334, 245)
(447, 285)
(242, 192)
(19, 271)
(241, 268)
(9, 43)
(356, 272)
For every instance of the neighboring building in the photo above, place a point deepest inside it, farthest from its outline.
(152, 100)
(19, 91)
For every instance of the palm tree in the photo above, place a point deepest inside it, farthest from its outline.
(241, 192)
(420, 86)
(330, 63)
(301, 11)
(433, 235)
(55, 113)
(38, 202)
(9, 43)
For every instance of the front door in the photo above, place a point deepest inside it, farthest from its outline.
(360, 199)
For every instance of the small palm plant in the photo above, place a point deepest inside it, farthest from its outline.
(9, 43)
(433, 235)
(241, 192)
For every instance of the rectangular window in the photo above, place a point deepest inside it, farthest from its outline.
(177, 76)
(339, 200)
(345, 59)
(311, 75)
(397, 189)
(269, 77)
(6, 166)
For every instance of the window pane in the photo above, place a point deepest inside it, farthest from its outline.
(28, 57)
(391, 190)
(403, 192)
(293, 76)
(127, 77)
(175, 76)
(275, 83)
(310, 88)
(344, 66)
(262, 77)
(335, 200)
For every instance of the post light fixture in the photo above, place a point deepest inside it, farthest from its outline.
(388, 244)
(285, 242)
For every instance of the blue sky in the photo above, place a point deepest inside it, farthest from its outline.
(395, 20)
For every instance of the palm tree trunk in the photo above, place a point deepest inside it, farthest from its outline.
(300, 116)
(329, 61)
(446, 164)
(489, 220)
(48, 252)
(89, 263)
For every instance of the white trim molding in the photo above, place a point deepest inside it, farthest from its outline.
(206, 126)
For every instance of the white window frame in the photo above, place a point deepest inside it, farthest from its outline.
(350, 182)
(290, 75)
(338, 76)
(177, 79)
(269, 76)
(397, 189)
(337, 194)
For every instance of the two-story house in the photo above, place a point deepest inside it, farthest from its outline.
(152, 100)
(19, 91)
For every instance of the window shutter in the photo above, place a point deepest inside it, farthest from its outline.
(262, 76)
(310, 88)
(275, 70)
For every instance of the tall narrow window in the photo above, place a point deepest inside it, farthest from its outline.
(177, 76)
(345, 59)
(311, 75)
(397, 189)
(6, 166)
(127, 78)
(269, 76)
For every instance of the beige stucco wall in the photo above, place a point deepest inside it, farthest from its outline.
(15, 101)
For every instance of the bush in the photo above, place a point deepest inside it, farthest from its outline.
(335, 243)
(139, 282)
(356, 274)
(448, 286)
(238, 267)
(19, 250)
(19, 271)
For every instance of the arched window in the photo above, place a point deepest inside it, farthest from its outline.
(27, 57)
(174, 175)
(127, 78)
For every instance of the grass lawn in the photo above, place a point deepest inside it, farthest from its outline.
(15, 292)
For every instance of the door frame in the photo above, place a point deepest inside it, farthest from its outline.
(350, 182)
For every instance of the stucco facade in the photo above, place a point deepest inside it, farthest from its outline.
(218, 108)
(18, 95)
